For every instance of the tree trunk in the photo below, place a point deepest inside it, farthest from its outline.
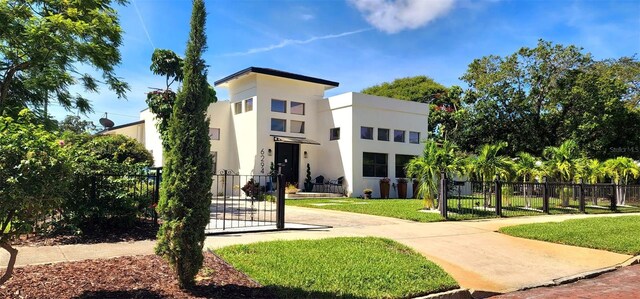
(13, 253)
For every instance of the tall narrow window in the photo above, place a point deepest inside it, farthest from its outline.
(297, 108)
(279, 125)
(237, 108)
(214, 161)
(334, 134)
(297, 126)
(248, 105)
(366, 133)
(278, 106)
(414, 137)
(383, 134)
(398, 135)
(374, 165)
(214, 133)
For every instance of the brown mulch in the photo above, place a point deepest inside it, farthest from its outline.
(140, 230)
(128, 277)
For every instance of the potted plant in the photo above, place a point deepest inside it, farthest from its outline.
(367, 193)
(291, 189)
(402, 188)
(308, 184)
(384, 187)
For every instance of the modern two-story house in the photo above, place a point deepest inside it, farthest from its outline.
(276, 116)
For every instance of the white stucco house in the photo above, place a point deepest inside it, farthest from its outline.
(273, 115)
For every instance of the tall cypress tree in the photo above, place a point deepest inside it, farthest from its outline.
(184, 205)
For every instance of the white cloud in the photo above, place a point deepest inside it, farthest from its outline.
(288, 42)
(307, 17)
(393, 16)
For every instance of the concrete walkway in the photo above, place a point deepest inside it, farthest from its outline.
(471, 251)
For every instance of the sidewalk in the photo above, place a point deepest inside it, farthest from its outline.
(471, 251)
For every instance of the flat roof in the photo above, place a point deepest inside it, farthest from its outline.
(277, 73)
(122, 126)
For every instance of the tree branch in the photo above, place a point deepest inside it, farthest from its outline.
(13, 253)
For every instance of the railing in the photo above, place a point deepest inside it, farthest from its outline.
(471, 199)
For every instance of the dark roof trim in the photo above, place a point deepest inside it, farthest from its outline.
(296, 140)
(277, 73)
(122, 126)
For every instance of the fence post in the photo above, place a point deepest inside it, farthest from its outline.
(545, 196)
(156, 194)
(224, 199)
(581, 204)
(498, 186)
(614, 197)
(442, 196)
(280, 202)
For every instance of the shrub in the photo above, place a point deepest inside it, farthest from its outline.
(291, 189)
(251, 188)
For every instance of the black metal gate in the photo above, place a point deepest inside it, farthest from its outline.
(242, 203)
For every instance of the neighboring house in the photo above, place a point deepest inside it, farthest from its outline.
(273, 116)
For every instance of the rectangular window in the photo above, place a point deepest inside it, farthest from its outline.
(414, 137)
(237, 108)
(401, 162)
(297, 126)
(279, 125)
(398, 135)
(366, 133)
(278, 106)
(297, 108)
(248, 105)
(214, 161)
(334, 134)
(214, 133)
(383, 134)
(374, 165)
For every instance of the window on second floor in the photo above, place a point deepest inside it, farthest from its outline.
(214, 133)
(279, 125)
(414, 137)
(334, 134)
(383, 134)
(278, 106)
(237, 108)
(297, 108)
(366, 133)
(248, 105)
(297, 126)
(398, 135)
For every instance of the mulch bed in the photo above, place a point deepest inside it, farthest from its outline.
(128, 277)
(140, 230)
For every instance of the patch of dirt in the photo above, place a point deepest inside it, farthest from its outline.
(140, 230)
(128, 277)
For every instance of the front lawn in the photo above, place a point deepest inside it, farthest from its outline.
(408, 209)
(339, 267)
(617, 234)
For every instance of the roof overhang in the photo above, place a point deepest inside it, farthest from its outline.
(135, 123)
(271, 72)
(294, 140)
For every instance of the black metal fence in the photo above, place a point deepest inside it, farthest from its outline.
(472, 199)
(246, 202)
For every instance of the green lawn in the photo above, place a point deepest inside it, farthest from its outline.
(339, 267)
(408, 209)
(617, 234)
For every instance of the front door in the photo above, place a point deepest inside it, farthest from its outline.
(290, 153)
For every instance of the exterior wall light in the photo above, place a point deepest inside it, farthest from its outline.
(270, 153)
(306, 155)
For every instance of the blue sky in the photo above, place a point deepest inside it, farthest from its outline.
(358, 43)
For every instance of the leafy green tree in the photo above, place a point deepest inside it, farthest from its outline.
(186, 196)
(75, 124)
(43, 41)
(527, 167)
(168, 64)
(487, 164)
(33, 177)
(622, 170)
(427, 169)
(590, 170)
(543, 96)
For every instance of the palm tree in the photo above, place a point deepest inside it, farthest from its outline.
(621, 169)
(428, 167)
(526, 166)
(561, 164)
(488, 163)
(592, 172)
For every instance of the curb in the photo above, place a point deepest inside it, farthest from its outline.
(453, 294)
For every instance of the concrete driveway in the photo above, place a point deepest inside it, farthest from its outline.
(473, 252)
